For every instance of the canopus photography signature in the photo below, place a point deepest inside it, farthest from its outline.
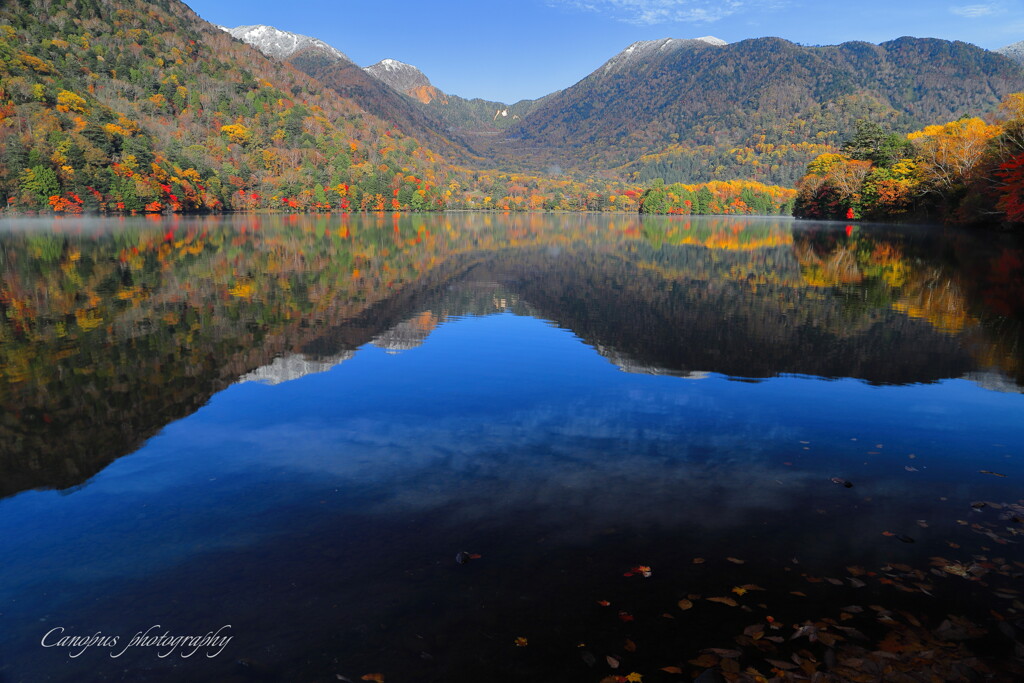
(164, 643)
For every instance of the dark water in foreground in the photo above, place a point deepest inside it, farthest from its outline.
(292, 425)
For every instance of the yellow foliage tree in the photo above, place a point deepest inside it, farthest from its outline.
(951, 153)
(69, 101)
(236, 132)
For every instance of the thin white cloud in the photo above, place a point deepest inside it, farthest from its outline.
(650, 12)
(975, 11)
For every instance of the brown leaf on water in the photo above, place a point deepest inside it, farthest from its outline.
(378, 678)
(725, 601)
(706, 661)
(698, 560)
(828, 638)
(728, 654)
(672, 669)
(798, 593)
(755, 631)
(751, 587)
(603, 603)
(685, 604)
(629, 645)
(835, 582)
(856, 571)
(736, 560)
(779, 664)
(995, 474)
(613, 662)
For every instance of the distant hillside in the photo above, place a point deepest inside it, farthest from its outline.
(463, 119)
(334, 69)
(697, 109)
(1014, 52)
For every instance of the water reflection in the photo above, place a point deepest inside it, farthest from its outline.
(322, 411)
(111, 332)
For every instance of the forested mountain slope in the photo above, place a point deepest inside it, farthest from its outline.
(759, 108)
(128, 105)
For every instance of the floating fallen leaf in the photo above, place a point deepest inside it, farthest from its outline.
(639, 570)
(724, 601)
(706, 661)
(603, 603)
(521, 642)
(738, 590)
(685, 604)
(625, 616)
(842, 482)
(798, 593)
(735, 560)
(613, 662)
(922, 523)
(634, 677)
(888, 533)
(908, 468)
(779, 664)
(754, 631)
(995, 474)
(629, 645)
(698, 560)
(672, 669)
(378, 678)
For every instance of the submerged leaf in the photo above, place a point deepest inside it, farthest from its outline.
(725, 601)
(685, 604)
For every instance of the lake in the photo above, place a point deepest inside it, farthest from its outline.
(474, 447)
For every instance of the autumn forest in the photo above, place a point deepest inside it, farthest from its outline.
(141, 107)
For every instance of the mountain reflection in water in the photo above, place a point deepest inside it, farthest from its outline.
(317, 413)
(109, 333)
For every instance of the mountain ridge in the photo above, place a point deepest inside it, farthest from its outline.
(280, 44)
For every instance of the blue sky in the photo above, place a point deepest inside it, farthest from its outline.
(513, 50)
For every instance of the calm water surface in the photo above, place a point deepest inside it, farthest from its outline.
(292, 426)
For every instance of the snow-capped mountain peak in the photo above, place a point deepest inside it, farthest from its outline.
(643, 50)
(1014, 52)
(401, 76)
(279, 44)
